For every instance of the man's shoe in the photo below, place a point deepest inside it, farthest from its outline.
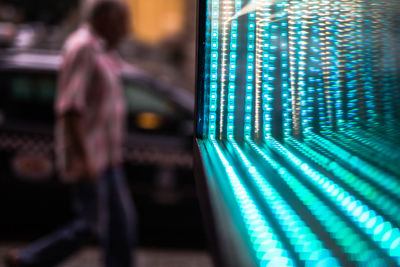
(12, 258)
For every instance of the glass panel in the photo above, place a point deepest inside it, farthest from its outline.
(289, 68)
(140, 99)
(301, 108)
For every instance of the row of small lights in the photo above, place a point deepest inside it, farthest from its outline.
(366, 68)
(333, 41)
(381, 231)
(354, 53)
(375, 143)
(260, 36)
(266, 55)
(372, 173)
(251, 36)
(365, 189)
(390, 83)
(226, 46)
(267, 246)
(347, 238)
(307, 28)
(232, 72)
(213, 68)
(286, 93)
(351, 143)
(310, 249)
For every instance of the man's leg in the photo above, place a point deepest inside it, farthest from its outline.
(52, 249)
(122, 222)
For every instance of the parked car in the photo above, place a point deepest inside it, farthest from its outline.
(157, 150)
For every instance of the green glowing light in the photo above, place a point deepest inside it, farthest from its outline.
(303, 98)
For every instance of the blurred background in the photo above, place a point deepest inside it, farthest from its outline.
(159, 92)
(162, 38)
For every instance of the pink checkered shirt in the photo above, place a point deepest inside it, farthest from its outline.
(89, 83)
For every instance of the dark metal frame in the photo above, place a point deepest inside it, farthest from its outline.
(200, 63)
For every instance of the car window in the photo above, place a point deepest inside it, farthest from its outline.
(143, 99)
(33, 91)
(32, 88)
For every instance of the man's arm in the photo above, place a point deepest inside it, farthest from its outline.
(75, 128)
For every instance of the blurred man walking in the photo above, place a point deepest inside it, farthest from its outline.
(90, 123)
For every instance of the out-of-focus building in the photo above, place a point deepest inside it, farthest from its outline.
(162, 38)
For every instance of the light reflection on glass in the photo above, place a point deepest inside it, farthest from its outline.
(311, 90)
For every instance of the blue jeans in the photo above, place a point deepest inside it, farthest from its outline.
(105, 213)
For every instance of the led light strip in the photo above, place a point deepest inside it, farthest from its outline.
(293, 19)
(269, 48)
(352, 74)
(251, 36)
(335, 67)
(318, 38)
(366, 67)
(387, 148)
(284, 68)
(267, 246)
(232, 73)
(303, 240)
(368, 170)
(363, 77)
(313, 82)
(386, 203)
(389, 68)
(376, 51)
(262, 16)
(342, 31)
(303, 43)
(326, 59)
(213, 69)
(363, 148)
(227, 14)
(351, 242)
(385, 235)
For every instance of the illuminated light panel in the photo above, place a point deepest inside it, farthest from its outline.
(379, 157)
(304, 241)
(250, 59)
(352, 72)
(294, 28)
(266, 65)
(376, 145)
(262, 14)
(359, 250)
(368, 72)
(213, 87)
(284, 68)
(375, 226)
(232, 73)
(303, 93)
(365, 189)
(371, 172)
(390, 83)
(266, 243)
(228, 54)
(332, 66)
(324, 21)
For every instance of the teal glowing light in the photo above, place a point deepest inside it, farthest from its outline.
(304, 100)
(350, 205)
(232, 73)
(260, 232)
(305, 242)
(331, 221)
(251, 37)
(213, 87)
(265, 64)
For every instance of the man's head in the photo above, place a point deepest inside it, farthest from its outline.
(109, 19)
